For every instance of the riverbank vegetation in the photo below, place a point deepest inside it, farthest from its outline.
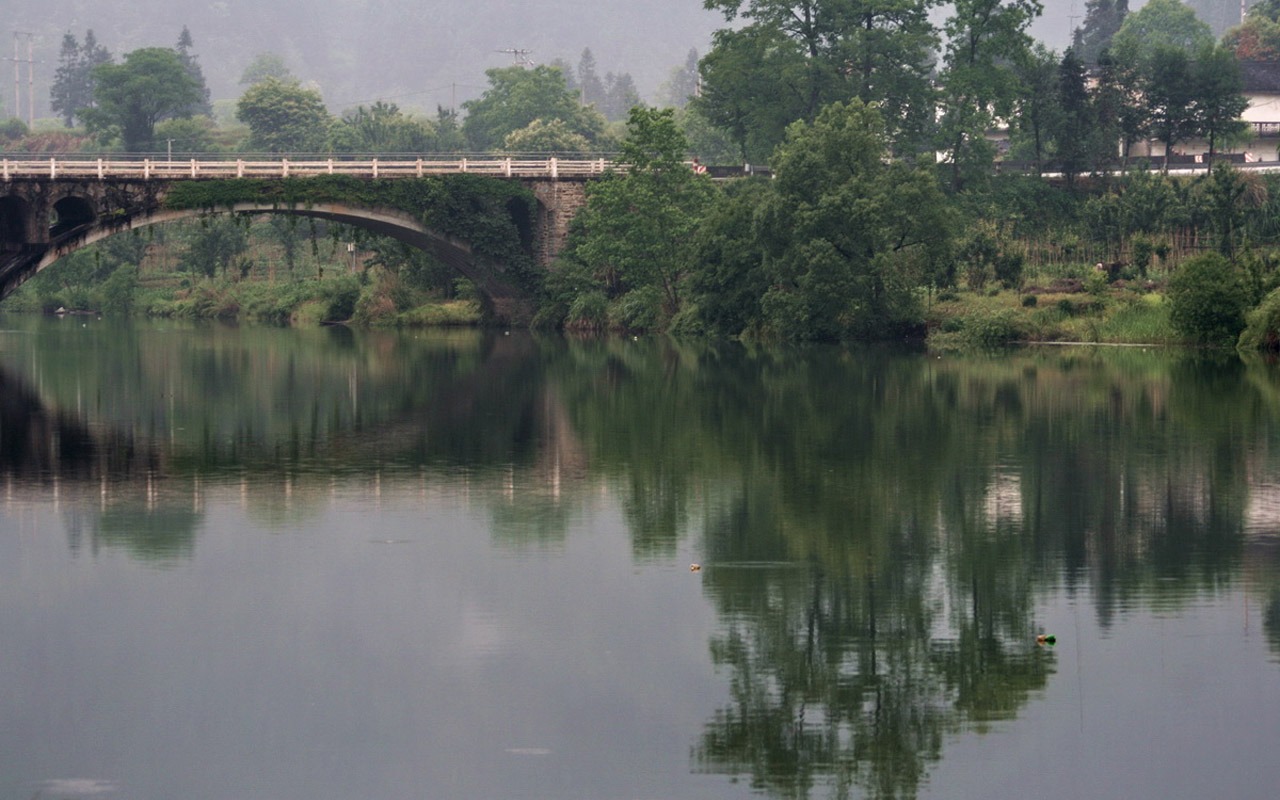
(956, 182)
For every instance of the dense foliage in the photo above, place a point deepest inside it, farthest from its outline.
(878, 120)
(149, 86)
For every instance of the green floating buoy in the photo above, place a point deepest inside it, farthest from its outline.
(1049, 639)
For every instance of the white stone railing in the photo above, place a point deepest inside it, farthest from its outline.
(163, 168)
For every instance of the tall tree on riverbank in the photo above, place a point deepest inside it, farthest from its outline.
(191, 63)
(634, 234)
(73, 82)
(682, 85)
(150, 85)
(1160, 25)
(284, 117)
(804, 54)
(516, 97)
(843, 258)
(1102, 18)
(1038, 107)
(984, 39)
(1076, 135)
(1220, 96)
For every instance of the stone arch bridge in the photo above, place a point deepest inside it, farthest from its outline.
(52, 207)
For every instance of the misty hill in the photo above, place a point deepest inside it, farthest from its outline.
(419, 53)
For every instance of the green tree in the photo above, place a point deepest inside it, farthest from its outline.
(589, 86)
(621, 96)
(1207, 300)
(636, 230)
(186, 135)
(1227, 198)
(843, 259)
(742, 67)
(1220, 100)
(546, 137)
(1266, 9)
(263, 66)
(984, 39)
(150, 85)
(1256, 39)
(191, 63)
(283, 117)
(804, 54)
(1102, 18)
(381, 128)
(1119, 109)
(516, 97)
(448, 132)
(72, 87)
(217, 244)
(681, 84)
(710, 144)
(729, 278)
(1039, 106)
(1160, 25)
(887, 49)
(1170, 93)
(1076, 126)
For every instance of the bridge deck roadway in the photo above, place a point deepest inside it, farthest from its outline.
(146, 168)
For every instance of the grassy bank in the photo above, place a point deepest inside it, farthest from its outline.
(1066, 311)
(373, 300)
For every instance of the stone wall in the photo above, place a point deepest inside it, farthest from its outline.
(558, 202)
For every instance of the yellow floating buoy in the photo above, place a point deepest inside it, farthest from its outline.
(695, 567)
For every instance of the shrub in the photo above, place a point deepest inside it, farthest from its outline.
(638, 309)
(1096, 282)
(589, 312)
(1262, 328)
(1029, 301)
(341, 295)
(989, 329)
(117, 290)
(12, 129)
(1207, 300)
(1009, 268)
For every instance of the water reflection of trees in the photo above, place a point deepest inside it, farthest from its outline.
(877, 529)
(157, 419)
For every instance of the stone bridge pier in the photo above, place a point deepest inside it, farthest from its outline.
(559, 201)
(43, 219)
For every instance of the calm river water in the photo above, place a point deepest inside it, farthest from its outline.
(261, 564)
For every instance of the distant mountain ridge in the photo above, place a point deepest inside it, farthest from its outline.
(418, 54)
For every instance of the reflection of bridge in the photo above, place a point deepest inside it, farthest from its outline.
(51, 207)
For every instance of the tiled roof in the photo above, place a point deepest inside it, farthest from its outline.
(1261, 76)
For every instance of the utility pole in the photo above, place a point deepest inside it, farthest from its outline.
(520, 57)
(17, 77)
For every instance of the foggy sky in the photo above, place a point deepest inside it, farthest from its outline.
(417, 53)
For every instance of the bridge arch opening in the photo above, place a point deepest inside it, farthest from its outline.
(70, 213)
(14, 216)
(502, 285)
